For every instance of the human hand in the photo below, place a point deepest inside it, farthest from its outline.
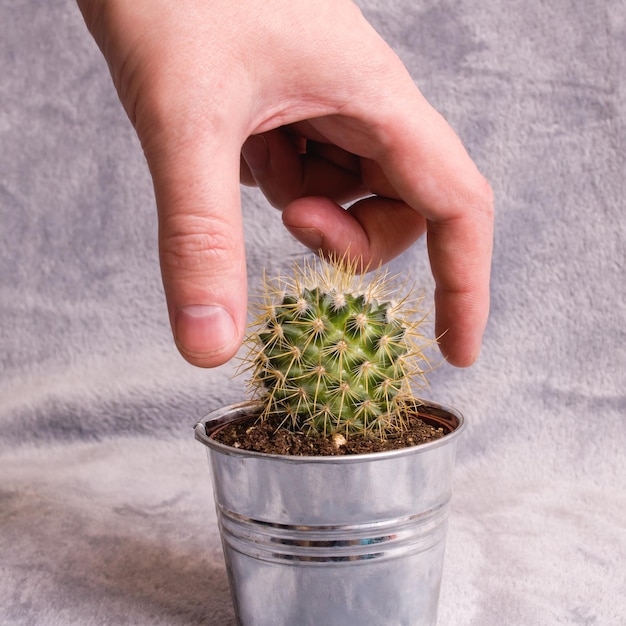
(326, 114)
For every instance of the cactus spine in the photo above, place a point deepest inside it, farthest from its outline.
(333, 352)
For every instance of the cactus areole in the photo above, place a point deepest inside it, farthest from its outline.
(334, 352)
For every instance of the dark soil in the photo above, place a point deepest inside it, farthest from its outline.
(269, 437)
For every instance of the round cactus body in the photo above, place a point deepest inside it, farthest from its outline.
(332, 353)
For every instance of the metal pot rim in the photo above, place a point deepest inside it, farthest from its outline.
(217, 418)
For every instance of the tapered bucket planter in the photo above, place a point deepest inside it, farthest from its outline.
(333, 541)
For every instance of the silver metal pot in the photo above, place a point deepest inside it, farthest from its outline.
(332, 541)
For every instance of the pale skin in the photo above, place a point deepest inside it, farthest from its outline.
(306, 101)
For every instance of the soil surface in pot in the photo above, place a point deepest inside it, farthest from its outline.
(271, 438)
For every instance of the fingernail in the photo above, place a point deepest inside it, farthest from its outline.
(310, 237)
(204, 329)
(256, 153)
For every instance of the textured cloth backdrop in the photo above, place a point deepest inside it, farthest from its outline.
(106, 514)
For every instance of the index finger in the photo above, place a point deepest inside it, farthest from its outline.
(427, 164)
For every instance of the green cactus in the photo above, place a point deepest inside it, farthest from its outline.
(333, 352)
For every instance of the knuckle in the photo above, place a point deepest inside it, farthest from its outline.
(194, 244)
(480, 199)
(485, 195)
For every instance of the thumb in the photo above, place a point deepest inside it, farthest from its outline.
(169, 67)
(196, 181)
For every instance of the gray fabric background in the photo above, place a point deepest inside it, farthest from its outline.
(106, 514)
